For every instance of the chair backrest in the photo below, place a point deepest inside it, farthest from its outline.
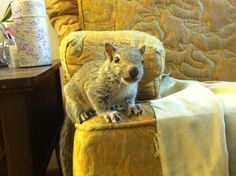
(199, 35)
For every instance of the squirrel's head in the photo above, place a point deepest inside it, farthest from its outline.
(126, 63)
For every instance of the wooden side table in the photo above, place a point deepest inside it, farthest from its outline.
(31, 114)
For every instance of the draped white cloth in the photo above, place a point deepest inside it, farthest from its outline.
(196, 128)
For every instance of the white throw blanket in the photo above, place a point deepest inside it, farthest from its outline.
(196, 128)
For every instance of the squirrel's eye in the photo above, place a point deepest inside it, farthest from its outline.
(142, 61)
(116, 59)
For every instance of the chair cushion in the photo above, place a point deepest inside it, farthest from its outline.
(79, 48)
(126, 148)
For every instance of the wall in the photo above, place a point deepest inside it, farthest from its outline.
(52, 32)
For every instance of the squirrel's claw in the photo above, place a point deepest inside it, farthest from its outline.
(112, 116)
(136, 110)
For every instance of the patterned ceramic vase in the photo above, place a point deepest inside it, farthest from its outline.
(30, 24)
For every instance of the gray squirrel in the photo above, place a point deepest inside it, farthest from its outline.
(95, 88)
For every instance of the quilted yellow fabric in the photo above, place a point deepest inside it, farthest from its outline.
(80, 47)
(199, 35)
(128, 148)
(63, 16)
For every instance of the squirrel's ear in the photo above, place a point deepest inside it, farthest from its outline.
(110, 49)
(142, 49)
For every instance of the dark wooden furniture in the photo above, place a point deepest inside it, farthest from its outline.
(31, 114)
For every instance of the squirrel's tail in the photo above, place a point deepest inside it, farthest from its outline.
(66, 146)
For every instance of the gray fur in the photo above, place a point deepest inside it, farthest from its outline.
(98, 86)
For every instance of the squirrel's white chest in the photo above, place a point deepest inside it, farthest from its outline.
(120, 94)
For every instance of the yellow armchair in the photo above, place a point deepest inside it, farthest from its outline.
(199, 39)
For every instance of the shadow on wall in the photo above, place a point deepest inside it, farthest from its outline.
(53, 42)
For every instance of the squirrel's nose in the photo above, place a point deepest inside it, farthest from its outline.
(133, 72)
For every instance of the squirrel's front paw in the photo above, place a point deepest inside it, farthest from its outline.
(136, 110)
(86, 115)
(112, 116)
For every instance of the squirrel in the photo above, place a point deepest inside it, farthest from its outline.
(96, 88)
